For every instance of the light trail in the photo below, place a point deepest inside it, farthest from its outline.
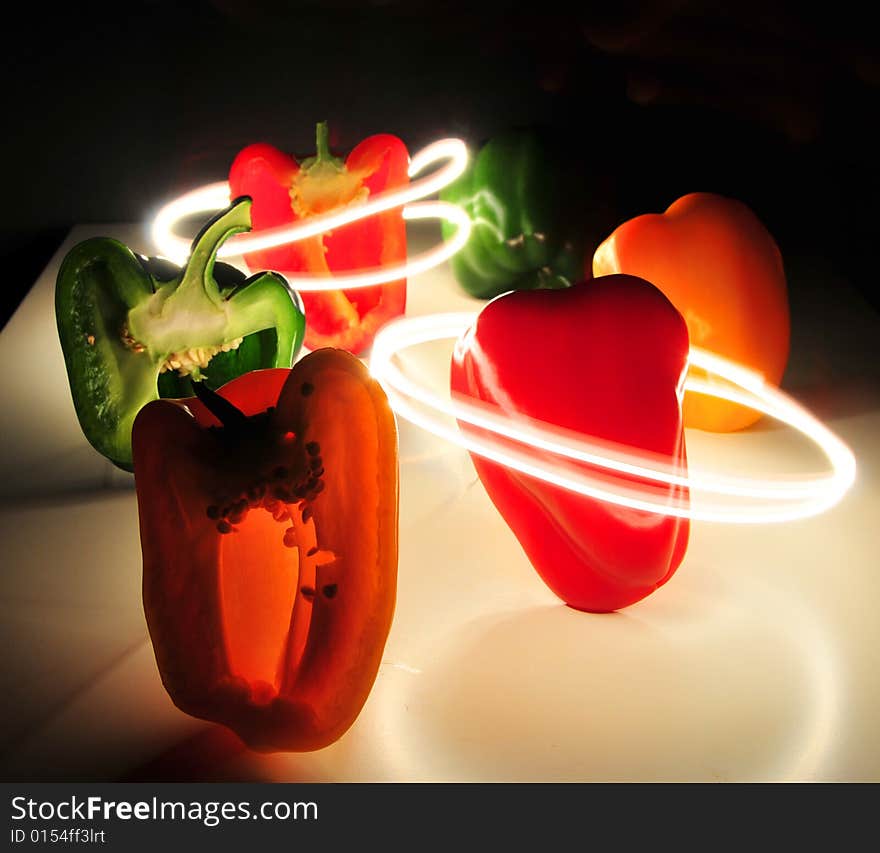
(215, 197)
(742, 500)
(736, 499)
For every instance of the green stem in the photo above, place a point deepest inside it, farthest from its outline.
(323, 156)
(322, 143)
(199, 270)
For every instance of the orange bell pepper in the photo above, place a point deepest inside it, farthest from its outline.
(722, 270)
(268, 519)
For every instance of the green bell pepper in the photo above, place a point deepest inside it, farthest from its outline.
(514, 197)
(133, 329)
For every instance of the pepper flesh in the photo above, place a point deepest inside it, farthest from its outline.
(609, 363)
(285, 191)
(270, 548)
(128, 325)
(723, 271)
(512, 193)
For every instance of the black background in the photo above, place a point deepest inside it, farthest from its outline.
(110, 111)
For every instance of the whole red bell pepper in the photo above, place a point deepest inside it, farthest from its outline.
(284, 191)
(606, 358)
(268, 521)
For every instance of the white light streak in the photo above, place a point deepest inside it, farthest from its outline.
(731, 499)
(215, 197)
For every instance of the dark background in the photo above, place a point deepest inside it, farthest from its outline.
(112, 111)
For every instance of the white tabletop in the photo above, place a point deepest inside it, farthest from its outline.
(757, 661)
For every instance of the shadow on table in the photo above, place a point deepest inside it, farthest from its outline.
(76, 471)
(835, 400)
(829, 401)
(695, 686)
(210, 754)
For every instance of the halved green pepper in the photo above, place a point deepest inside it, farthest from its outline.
(133, 329)
(520, 240)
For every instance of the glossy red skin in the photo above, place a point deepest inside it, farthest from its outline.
(265, 173)
(606, 358)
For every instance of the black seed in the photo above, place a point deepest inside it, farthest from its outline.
(318, 488)
(319, 473)
(307, 513)
(313, 448)
(307, 388)
(307, 592)
(213, 512)
(224, 526)
(312, 551)
(330, 590)
(315, 463)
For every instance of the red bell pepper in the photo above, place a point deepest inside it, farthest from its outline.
(284, 191)
(268, 521)
(605, 358)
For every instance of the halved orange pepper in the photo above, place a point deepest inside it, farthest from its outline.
(721, 268)
(268, 521)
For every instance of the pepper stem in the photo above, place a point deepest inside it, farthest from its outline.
(323, 155)
(220, 407)
(199, 269)
(322, 142)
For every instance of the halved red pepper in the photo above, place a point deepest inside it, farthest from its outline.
(268, 521)
(284, 191)
(605, 358)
